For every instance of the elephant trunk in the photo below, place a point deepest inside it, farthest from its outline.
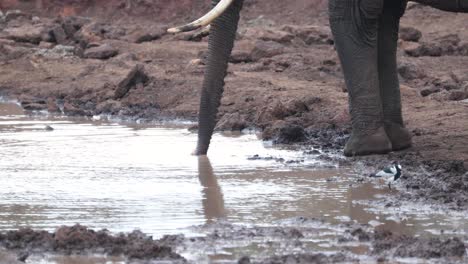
(221, 41)
(447, 5)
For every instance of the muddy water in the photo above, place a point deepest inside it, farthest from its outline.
(127, 176)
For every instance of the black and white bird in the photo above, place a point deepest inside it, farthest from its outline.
(390, 174)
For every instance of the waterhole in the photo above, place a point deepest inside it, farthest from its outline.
(123, 176)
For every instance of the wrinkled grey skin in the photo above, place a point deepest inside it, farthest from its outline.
(366, 34)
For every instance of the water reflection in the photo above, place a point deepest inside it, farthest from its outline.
(213, 200)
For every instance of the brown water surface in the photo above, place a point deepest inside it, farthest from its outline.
(127, 176)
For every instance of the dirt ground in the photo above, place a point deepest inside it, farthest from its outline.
(115, 58)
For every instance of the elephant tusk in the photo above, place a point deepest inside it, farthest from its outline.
(205, 20)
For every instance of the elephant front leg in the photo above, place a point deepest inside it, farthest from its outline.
(389, 22)
(354, 24)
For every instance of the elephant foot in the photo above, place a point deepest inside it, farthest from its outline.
(376, 143)
(398, 135)
(201, 150)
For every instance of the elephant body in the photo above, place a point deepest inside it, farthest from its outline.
(366, 34)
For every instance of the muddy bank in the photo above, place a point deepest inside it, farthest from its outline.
(81, 240)
(376, 245)
(284, 79)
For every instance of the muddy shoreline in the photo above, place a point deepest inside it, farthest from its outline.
(284, 79)
(135, 247)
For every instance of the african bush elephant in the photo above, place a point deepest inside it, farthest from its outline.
(365, 33)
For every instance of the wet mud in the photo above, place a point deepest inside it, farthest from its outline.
(354, 241)
(284, 79)
(81, 240)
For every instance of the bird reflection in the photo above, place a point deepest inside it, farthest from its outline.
(213, 201)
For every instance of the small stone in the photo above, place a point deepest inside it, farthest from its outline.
(266, 49)
(45, 45)
(311, 35)
(424, 49)
(22, 256)
(58, 35)
(410, 34)
(409, 71)
(52, 106)
(285, 133)
(457, 95)
(15, 14)
(109, 107)
(240, 57)
(231, 122)
(143, 35)
(449, 43)
(135, 75)
(25, 33)
(463, 49)
(428, 91)
(244, 260)
(276, 36)
(102, 52)
(196, 62)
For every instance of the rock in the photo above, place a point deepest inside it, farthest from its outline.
(446, 83)
(416, 247)
(58, 35)
(239, 56)
(277, 36)
(409, 71)
(410, 34)
(36, 19)
(279, 110)
(102, 52)
(284, 133)
(244, 260)
(70, 109)
(423, 49)
(145, 35)
(52, 106)
(22, 256)
(231, 122)
(362, 235)
(15, 14)
(196, 62)
(109, 107)
(48, 128)
(463, 49)
(33, 104)
(25, 33)
(449, 44)
(411, 48)
(457, 95)
(57, 52)
(98, 31)
(45, 45)
(266, 49)
(428, 91)
(72, 24)
(135, 75)
(431, 49)
(311, 35)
